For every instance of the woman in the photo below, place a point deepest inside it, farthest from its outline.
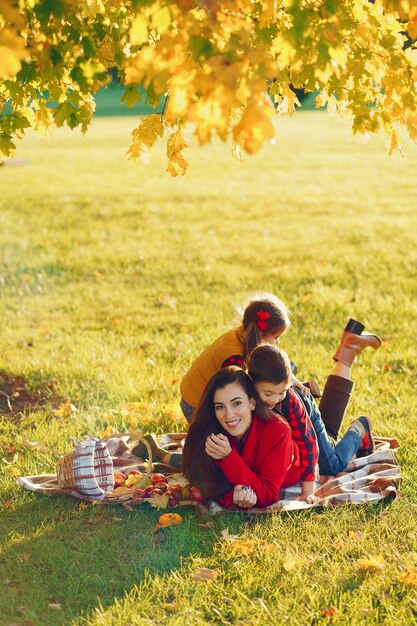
(237, 451)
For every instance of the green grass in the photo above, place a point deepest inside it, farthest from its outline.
(114, 277)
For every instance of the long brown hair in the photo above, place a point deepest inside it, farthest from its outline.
(198, 467)
(277, 318)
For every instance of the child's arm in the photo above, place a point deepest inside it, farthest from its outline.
(296, 383)
(305, 438)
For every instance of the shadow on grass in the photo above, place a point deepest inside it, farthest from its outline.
(64, 558)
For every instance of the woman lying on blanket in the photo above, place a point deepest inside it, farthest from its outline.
(237, 451)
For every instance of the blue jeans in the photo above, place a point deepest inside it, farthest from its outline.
(187, 410)
(332, 460)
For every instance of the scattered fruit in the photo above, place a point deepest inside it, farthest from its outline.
(158, 478)
(196, 494)
(119, 479)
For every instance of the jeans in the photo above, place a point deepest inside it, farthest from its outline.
(332, 460)
(187, 410)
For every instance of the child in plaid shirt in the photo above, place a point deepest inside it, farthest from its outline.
(269, 368)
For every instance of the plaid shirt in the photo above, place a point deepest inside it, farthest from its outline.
(234, 360)
(303, 433)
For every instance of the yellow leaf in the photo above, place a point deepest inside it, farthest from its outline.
(9, 63)
(203, 573)
(162, 19)
(290, 562)
(394, 144)
(176, 162)
(139, 30)
(145, 136)
(409, 577)
(243, 546)
(108, 431)
(372, 563)
(171, 606)
(160, 501)
(65, 410)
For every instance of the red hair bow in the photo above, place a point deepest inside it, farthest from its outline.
(262, 316)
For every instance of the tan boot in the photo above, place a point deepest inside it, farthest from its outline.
(352, 343)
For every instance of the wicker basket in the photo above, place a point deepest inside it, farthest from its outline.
(88, 469)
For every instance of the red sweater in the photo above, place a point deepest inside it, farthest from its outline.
(269, 461)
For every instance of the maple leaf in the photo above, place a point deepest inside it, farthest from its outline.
(65, 410)
(159, 500)
(243, 546)
(176, 162)
(145, 136)
(371, 563)
(409, 577)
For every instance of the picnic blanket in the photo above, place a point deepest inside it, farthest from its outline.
(369, 479)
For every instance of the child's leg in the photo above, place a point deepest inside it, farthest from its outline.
(338, 386)
(333, 402)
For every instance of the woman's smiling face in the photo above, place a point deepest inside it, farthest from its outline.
(233, 409)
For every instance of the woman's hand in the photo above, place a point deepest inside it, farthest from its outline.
(218, 446)
(296, 383)
(245, 497)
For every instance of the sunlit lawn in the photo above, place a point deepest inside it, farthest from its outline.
(114, 277)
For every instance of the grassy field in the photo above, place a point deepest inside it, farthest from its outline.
(113, 277)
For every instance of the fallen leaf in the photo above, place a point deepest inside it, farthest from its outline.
(206, 525)
(290, 562)
(269, 547)
(171, 606)
(36, 445)
(243, 546)
(55, 605)
(227, 536)
(355, 536)
(108, 431)
(25, 556)
(203, 573)
(65, 410)
(13, 471)
(373, 563)
(409, 577)
(159, 501)
(184, 329)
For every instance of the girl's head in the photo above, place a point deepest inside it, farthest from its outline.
(265, 318)
(270, 369)
(227, 405)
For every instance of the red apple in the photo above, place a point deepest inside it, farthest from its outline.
(158, 478)
(148, 492)
(161, 485)
(196, 494)
(139, 493)
(172, 500)
(119, 479)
